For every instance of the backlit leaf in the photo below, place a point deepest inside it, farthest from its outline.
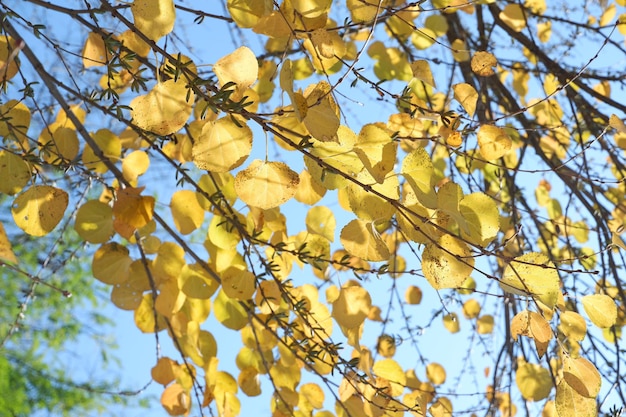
(514, 17)
(14, 171)
(570, 403)
(266, 184)
(533, 325)
(155, 18)
(39, 209)
(376, 150)
(447, 263)
(482, 218)
(229, 312)
(94, 51)
(176, 400)
(421, 71)
(108, 147)
(6, 251)
(322, 114)
(435, 373)
(533, 275)
(134, 165)
(240, 67)
(223, 145)
(94, 221)
(352, 306)
(132, 208)
(8, 53)
(111, 264)
(533, 381)
(238, 284)
(187, 213)
(482, 63)
(361, 239)
(321, 221)
(466, 95)
(165, 109)
(246, 13)
(390, 370)
(493, 142)
(573, 325)
(582, 376)
(418, 170)
(601, 309)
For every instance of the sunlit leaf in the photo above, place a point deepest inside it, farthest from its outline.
(533, 275)
(223, 145)
(240, 67)
(39, 209)
(582, 376)
(493, 142)
(482, 63)
(134, 165)
(6, 251)
(246, 13)
(601, 309)
(94, 51)
(111, 264)
(390, 370)
(421, 71)
(436, 373)
(165, 109)
(482, 218)
(533, 325)
(266, 184)
(94, 221)
(14, 171)
(8, 54)
(154, 18)
(533, 381)
(514, 17)
(187, 213)
(570, 403)
(361, 239)
(352, 306)
(229, 312)
(132, 208)
(466, 95)
(176, 400)
(447, 263)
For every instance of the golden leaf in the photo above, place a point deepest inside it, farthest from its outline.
(39, 209)
(154, 18)
(482, 63)
(601, 309)
(266, 184)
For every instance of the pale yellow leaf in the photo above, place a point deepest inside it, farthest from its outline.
(352, 306)
(390, 370)
(493, 142)
(187, 213)
(582, 376)
(154, 18)
(266, 184)
(570, 403)
(533, 275)
(421, 71)
(467, 96)
(482, 63)
(39, 209)
(361, 239)
(447, 263)
(533, 381)
(482, 218)
(240, 67)
(573, 325)
(223, 145)
(165, 109)
(14, 171)
(601, 309)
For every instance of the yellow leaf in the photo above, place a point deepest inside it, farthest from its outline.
(322, 114)
(154, 18)
(321, 221)
(135, 164)
(421, 71)
(223, 145)
(376, 150)
(616, 123)
(59, 144)
(447, 263)
(438, 24)
(229, 312)
(451, 323)
(582, 376)
(132, 208)
(608, 15)
(165, 109)
(8, 52)
(482, 63)
(247, 13)
(176, 400)
(6, 251)
(350, 309)
(471, 309)
(311, 8)
(14, 119)
(240, 67)
(418, 170)
(266, 184)
(313, 394)
(435, 373)
(573, 325)
(361, 239)
(482, 218)
(514, 17)
(544, 31)
(390, 370)
(460, 52)
(238, 284)
(485, 324)
(493, 142)
(309, 191)
(449, 198)
(14, 171)
(110, 147)
(145, 315)
(94, 51)
(413, 295)
(601, 310)
(569, 403)
(533, 275)
(367, 206)
(94, 222)
(163, 371)
(187, 213)
(195, 282)
(111, 264)
(248, 381)
(533, 325)
(39, 209)
(533, 381)
(467, 96)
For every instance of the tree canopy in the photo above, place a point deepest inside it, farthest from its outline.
(403, 208)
